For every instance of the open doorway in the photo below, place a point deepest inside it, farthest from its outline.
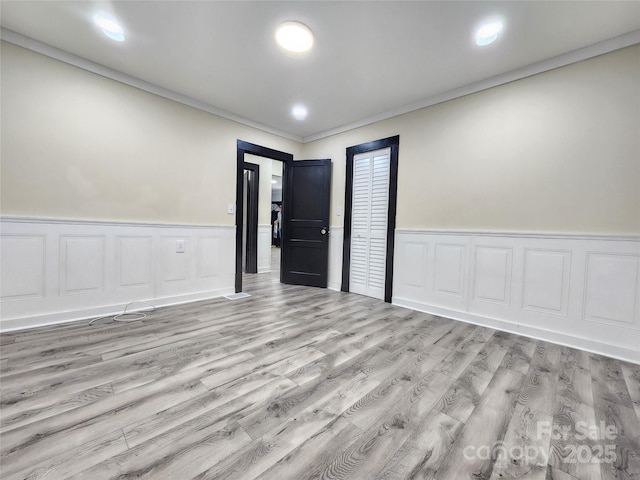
(306, 200)
(276, 217)
(262, 214)
(266, 160)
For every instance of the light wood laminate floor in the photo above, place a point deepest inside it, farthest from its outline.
(297, 383)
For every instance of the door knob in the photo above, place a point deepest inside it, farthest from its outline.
(324, 231)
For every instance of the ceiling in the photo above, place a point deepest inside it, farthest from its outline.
(369, 57)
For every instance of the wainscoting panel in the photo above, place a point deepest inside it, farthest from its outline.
(336, 236)
(448, 274)
(208, 248)
(492, 275)
(23, 266)
(175, 265)
(55, 271)
(578, 290)
(81, 264)
(133, 268)
(546, 281)
(413, 280)
(612, 288)
(264, 248)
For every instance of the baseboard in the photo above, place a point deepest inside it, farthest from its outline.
(574, 341)
(56, 318)
(334, 286)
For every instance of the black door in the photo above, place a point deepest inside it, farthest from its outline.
(305, 229)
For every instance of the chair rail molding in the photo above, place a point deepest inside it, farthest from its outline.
(56, 270)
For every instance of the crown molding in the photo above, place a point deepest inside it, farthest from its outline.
(80, 62)
(574, 56)
(597, 49)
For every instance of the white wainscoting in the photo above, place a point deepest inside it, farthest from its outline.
(578, 290)
(336, 235)
(264, 248)
(57, 271)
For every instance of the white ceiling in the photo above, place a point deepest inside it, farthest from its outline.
(369, 57)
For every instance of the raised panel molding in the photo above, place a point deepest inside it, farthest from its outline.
(264, 248)
(578, 290)
(492, 274)
(547, 275)
(414, 253)
(133, 261)
(55, 271)
(23, 267)
(449, 269)
(174, 265)
(336, 234)
(611, 288)
(208, 248)
(82, 260)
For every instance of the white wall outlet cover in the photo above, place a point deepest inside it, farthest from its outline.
(180, 246)
(339, 211)
(231, 209)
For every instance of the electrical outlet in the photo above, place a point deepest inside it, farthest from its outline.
(179, 246)
(231, 209)
(339, 211)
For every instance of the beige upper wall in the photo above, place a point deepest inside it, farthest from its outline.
(556, 152)
(76, 145)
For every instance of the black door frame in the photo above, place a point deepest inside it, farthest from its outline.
(393, 143)
(251, 247)
(243, 147)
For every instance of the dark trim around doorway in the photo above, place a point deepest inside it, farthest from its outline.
(393, 143)
(250, 148)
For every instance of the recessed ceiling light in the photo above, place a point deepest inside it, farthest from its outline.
(294, 37)
(488, 33)
(109, 26)
(299, 112)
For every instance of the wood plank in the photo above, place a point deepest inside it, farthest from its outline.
(367, 410)
(309, 457)
(487, 425)
(539, 388)
(525, 447)
(491, 355)
(631, 374)
(263, 454)
(291, 404)
(519, 355)
(75, 460)
(51, 435)
(181, 453)
(608, 381)
(623, 438)
(233, 402)
(22, 416)
(368, 455)
(461, 399)
(425, 450)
